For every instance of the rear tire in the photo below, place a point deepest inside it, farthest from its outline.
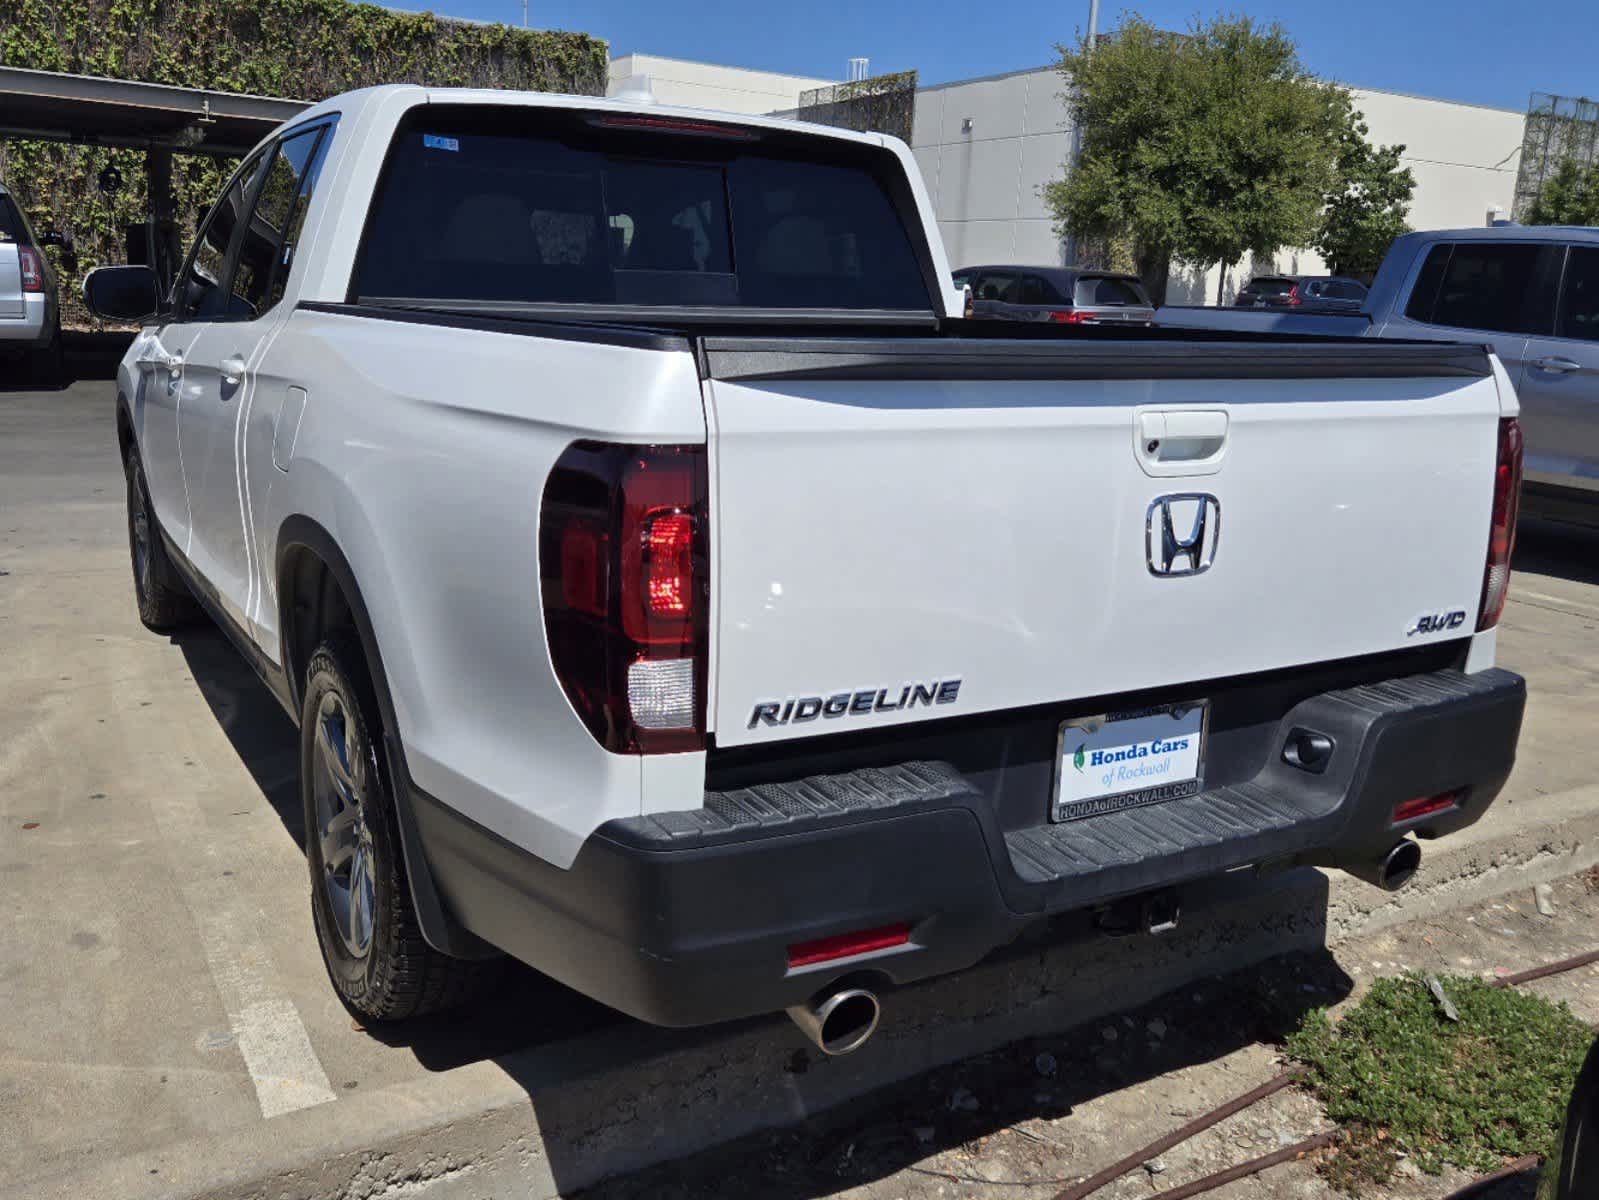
(164, 602)
(372, 944)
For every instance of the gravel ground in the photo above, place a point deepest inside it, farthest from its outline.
(1026, 1121)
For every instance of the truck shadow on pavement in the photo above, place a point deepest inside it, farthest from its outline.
(268, 746)
(1047, 1024)
(1568, 552)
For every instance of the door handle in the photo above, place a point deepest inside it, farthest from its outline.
(1557, 364)
(1180, 442)
(232, 370)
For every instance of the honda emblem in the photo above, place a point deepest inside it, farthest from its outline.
(1181, 532)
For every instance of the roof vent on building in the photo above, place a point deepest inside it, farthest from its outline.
(636, 89)
(859, 69)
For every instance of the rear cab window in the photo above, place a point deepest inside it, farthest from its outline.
(532, 208)
(1269, 287)
(1105, 290)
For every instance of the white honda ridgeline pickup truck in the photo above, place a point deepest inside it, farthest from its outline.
(674, 593)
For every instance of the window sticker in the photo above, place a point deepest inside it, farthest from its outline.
(434, 142)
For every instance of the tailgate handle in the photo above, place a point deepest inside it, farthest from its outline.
(1181, 441)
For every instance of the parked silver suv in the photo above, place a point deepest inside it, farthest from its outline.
(30, 315)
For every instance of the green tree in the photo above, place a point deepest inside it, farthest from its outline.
(1202, 146)
(1568, 197)
(1365, 211)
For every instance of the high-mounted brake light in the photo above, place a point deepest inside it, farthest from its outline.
(1067, 316)
(32, 269)
(677, 125)
(1502, 526)
(623, 576)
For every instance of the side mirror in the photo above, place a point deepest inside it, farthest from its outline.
(126, 294)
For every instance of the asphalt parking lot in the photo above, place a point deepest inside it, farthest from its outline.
(165, 1023)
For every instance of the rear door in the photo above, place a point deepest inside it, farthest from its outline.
(991, 294)
(897, 515)
(222, 373)
(1501, 293)
(1560, 386)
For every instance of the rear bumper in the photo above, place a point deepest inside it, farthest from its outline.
(686, 918)
(34, 328)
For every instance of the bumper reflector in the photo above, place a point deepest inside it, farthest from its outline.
(1423, 806)
(847, 945)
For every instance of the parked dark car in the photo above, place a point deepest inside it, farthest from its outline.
(1062, 295)
(1330, 293)
(1572, 1173)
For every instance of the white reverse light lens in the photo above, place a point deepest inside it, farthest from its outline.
(661, 693)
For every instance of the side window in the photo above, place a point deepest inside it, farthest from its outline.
(1424, 296)
(995, 286)
(201, 291)
(1031, 290)
(266, 247)
(1493, 286)
(1579, 301)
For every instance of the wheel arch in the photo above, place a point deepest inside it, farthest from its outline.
(310, 565)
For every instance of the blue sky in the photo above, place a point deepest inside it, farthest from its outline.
(1483, 51)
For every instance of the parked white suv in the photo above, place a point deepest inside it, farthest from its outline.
(30, 315)
(671, 596)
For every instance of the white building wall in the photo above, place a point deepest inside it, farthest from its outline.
(705, 85)
(988, 146)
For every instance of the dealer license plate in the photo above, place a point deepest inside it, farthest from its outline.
(1124, 760)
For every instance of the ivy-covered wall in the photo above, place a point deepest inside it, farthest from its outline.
(303, 49)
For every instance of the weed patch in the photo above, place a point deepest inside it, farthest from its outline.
(1403, 1080)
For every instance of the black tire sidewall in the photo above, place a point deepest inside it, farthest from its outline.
(134, 470)
(360, 981)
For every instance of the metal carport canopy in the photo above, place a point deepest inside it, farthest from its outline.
(117, 112)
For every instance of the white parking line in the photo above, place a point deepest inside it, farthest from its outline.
(277, 1050)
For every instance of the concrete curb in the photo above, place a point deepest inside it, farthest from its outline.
(551, 1120)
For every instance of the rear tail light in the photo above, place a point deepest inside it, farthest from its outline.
(847, 945)
(1067, 316)
(32, 269)
(1502, 527)
(624, 582)
(1424, 806)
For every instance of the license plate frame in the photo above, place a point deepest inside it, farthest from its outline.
(1077, 806)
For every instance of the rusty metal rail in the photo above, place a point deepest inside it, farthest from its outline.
(1100, 1179)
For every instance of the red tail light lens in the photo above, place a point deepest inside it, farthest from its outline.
(1502, 527)
(1067, 316)
(624, 581)
(1423, 806)
(32, 269)
(847, 945)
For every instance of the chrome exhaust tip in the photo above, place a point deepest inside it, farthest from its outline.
(838, 1022)
(1393, 870)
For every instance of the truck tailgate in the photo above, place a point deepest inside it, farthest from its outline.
(896, 512)
(11, 303)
